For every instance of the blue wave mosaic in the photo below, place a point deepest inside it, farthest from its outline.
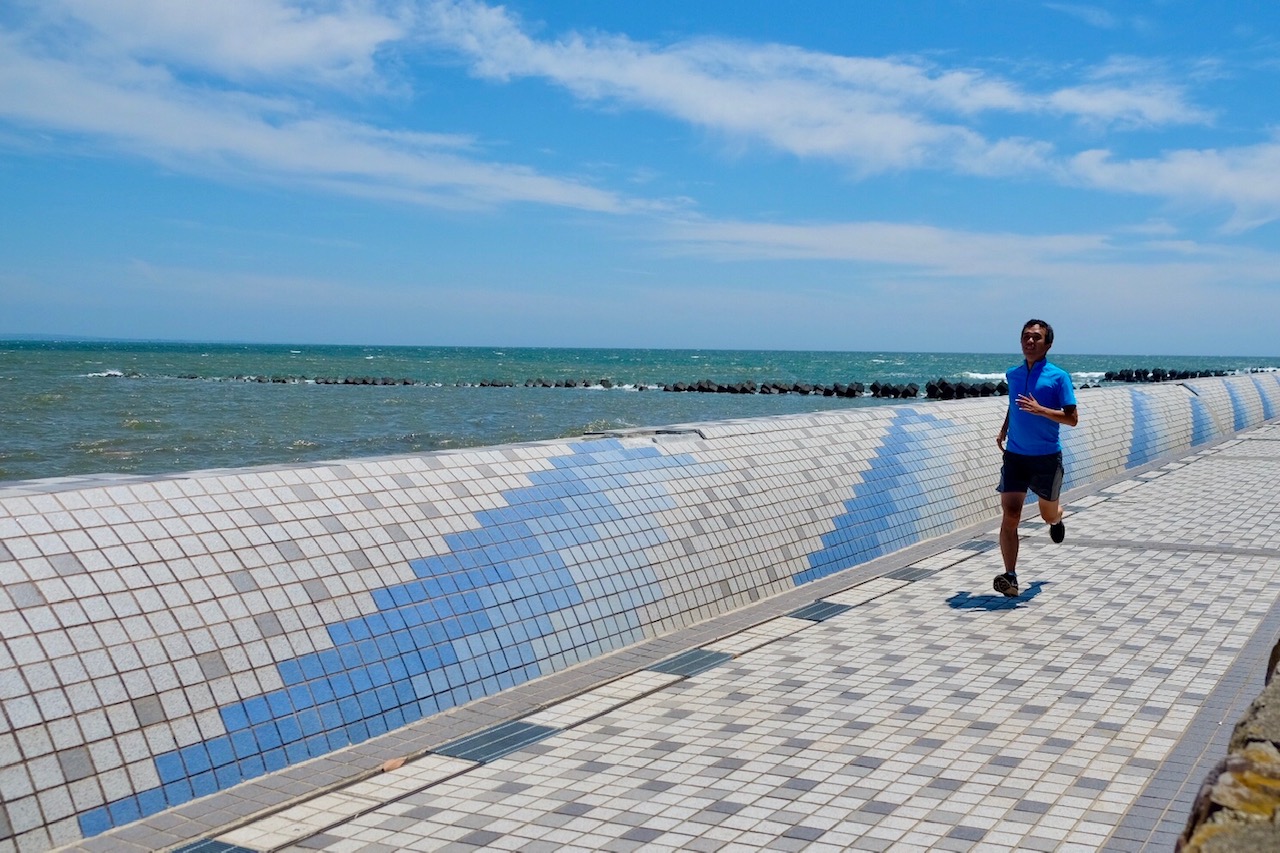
(906, 495)
(1268, 408)
(1202, 426)
(508, 597)
(1145, 442)
(1239, 409)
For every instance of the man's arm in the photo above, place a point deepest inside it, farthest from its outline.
(1004, 431)
(1067, 415)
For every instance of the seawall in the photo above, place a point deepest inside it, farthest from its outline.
(174, 636)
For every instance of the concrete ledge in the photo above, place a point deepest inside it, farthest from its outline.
(1238, 807)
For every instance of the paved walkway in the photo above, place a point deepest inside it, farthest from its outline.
(912, 709)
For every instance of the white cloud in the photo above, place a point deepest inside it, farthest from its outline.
(1128, 92)
(1095, 265)
(122, 72)
(145, 110)
(1246, 179)
(919, 249)
(333, 40)
(1145, 104)
(868, 113)
(874, 114)
(882, 114)
(1094, 16)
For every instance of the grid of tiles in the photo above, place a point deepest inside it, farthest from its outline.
(856, 734)
(174, 637)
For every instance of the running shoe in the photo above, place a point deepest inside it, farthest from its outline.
(1006, 584)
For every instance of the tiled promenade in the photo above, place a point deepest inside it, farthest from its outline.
(916, 710)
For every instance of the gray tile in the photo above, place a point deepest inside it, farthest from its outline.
(243, 581)
(268, 624)
(149, 710)
(76, 764)
(213, 665)
(263, 516)
(25, 594)
(67, 564)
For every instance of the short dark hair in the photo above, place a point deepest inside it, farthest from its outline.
(1048, 330)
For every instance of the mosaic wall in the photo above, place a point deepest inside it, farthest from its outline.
(166, 638)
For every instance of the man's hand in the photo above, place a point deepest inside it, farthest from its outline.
(1028, 404)
(1000, 440)
(1066, 415)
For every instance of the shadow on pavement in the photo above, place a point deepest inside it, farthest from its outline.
(994, 601)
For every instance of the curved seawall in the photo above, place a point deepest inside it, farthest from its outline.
(166, 638)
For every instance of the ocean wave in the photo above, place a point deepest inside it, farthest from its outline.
(105, 373)
(141, 424)
(985, 377)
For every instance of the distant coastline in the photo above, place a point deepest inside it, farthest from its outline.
(30, 337)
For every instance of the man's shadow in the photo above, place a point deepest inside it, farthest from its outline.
(994, 601)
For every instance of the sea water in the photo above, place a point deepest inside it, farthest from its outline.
(80, 408)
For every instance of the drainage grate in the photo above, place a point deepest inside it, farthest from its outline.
(209, 845)
(495, 742)
(978, 545)
(910, 573)
(691, 662)
(820, 611)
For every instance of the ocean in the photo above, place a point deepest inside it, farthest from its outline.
(84, 408)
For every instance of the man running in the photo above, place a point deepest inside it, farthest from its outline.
(1040, 399)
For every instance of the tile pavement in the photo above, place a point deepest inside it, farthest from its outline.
(928, 714)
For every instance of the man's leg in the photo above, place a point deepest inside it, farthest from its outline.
(1047, 486)
(1050, 511)
(1011, 516)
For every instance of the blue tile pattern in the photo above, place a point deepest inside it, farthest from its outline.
(1239, 408)
(903, 496)
(1264, 392)
(478, 620)
(1077, 459)
(1202, 426)
(1144, 445)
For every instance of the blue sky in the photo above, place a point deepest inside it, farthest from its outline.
(888, 174)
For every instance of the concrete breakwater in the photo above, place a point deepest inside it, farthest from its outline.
(172, 636)
(942, 388)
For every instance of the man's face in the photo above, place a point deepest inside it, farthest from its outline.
(1034, 345)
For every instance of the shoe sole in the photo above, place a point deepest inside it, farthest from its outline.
(1004, 586)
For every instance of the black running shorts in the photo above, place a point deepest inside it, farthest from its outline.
(1039, 474)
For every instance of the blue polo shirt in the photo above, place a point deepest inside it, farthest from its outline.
(1050, 385)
